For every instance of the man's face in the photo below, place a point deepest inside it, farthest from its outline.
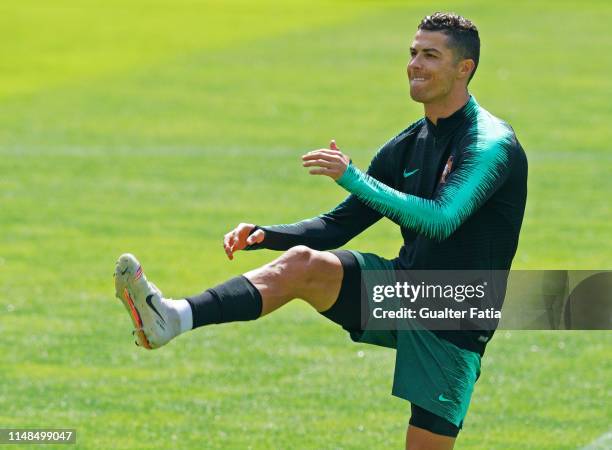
(432, 70)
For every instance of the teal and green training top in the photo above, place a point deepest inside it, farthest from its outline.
(457, 189)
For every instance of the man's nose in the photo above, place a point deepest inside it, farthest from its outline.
(414, 63)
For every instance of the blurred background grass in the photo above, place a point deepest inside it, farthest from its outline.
(154, 127)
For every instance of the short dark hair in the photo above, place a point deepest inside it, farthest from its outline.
(462, 35)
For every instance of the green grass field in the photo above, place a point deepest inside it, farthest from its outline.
(155, 127)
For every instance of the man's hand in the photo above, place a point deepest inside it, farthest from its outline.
(328, 161)
(240, 237)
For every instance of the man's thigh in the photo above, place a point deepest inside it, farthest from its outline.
(435, 375)
(323, 280)
(345, 310)
(423, 360)
(420, 439)
(350, 310)
(300, 272)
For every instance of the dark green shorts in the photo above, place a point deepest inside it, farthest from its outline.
(430, 372)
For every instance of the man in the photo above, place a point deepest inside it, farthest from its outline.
(455, 182)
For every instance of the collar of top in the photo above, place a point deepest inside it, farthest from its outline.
(449, 124)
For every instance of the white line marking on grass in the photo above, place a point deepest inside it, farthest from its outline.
(603, 442)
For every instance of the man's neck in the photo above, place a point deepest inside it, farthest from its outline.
(446, 107)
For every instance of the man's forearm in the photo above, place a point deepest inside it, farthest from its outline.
(437, 218)
(316, 233)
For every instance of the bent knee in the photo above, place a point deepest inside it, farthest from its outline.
(310, 264)
(300, 254)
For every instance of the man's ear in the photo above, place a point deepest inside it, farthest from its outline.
(466, 67)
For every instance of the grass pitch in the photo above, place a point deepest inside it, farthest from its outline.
(155, 127)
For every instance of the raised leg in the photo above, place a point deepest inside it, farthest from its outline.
(300, 272)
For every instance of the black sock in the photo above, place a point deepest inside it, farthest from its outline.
(235, 300)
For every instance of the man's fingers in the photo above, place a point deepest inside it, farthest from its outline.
(251, 239)
(323, 151)
(321, 171)
(258, 236)
(243, 230)
(227, 241)
(232, 242)
(327, 155)
(319, 163)
(255, 238)
(228, 250)
(238, 238)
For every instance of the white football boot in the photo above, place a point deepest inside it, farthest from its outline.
(155, 323)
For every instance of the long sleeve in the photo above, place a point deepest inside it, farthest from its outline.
(324, 232)
(484, 166)
(347, 220)
(333, 229)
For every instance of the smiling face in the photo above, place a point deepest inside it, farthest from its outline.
(434, 71)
